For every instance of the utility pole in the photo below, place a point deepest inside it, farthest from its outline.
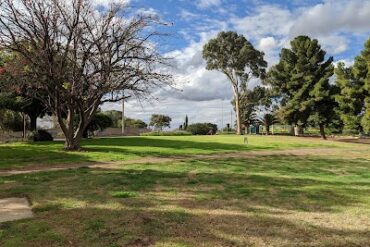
(123, 113)
(24, 126)
(231, 119)
(222, 115)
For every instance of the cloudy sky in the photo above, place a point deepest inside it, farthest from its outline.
(342, 27)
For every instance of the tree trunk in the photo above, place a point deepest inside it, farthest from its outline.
(298, 130)
(33, 121)
(322, 132)
(237, 111)
(267, 130)
(72, 144)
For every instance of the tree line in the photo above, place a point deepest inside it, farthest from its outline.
(304, 88)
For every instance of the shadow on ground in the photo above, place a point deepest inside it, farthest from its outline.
(231, 202)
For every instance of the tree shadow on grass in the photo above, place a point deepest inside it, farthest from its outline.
(236, 202)
(107, 144)
(13, 157)
(296, 192)
(93, 226)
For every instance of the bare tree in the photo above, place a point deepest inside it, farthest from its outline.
(81, 57)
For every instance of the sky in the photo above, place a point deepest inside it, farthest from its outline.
(341, 26)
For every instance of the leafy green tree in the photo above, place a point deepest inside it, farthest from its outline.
(100, 122)
(11, 120)
(135, 123)
(202, 129)
(301, 82)
(235, 56)
(250, 101)
(14, 96)
(267, 120)
(160, 121)
(186, 123)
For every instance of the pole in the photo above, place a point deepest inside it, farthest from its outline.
(123, 116)
(24, 126)
(222, 115)
(231, 119)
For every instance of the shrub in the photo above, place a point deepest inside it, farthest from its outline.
(10, 120)
(40, 135)
(202, 129)
(167, 133)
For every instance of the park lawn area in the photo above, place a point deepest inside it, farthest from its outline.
(22, 155)
(270, 200)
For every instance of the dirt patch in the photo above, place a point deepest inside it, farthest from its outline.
(14, 209)
(355, 140)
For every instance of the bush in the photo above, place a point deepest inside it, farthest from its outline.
(40, 136)
(10, 120)
(167, 133)
(202, 129)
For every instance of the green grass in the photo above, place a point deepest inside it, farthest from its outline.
(270, 200)
(18, 155)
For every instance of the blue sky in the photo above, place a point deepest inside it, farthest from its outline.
(341, 26)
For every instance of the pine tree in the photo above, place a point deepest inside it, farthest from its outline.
(186, 123)
(301, 82)
(354, 94)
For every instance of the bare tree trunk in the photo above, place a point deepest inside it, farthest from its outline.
(322, 131)
(267, 130)
(237, 111)
(33, 121)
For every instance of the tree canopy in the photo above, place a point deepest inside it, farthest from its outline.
(159, 121)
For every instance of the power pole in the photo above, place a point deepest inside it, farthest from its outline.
(123, 114)
(231, 119)
(222, 115)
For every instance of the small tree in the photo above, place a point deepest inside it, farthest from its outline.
(160, 121)
(250, 101)
(186, 123)
(100, 122)
(202, 129)
(135, 123)
(235, 56)
(267, 120)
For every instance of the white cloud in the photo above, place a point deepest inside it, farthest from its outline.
(267, 44)
(149, 12)
(334, 16)
(107, 3)
(208, 3)
(265, 21)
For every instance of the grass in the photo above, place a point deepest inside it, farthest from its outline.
(19, 155)
(270, 200)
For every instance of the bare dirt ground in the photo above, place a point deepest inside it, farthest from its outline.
(14, 209)
(152, 160)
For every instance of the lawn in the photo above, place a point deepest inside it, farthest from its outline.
(19, 155)
(269, 200)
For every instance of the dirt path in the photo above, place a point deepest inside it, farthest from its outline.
(153, 160)
(14, 209)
